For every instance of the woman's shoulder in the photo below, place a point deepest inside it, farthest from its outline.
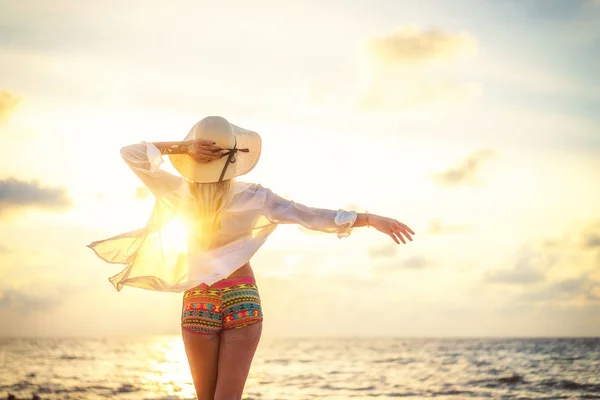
(247, 196)
(240, 187)
(248, 187)
(251, 192)
(247, 191)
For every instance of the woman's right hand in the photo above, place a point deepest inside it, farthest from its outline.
(203, 150)
(395, 229)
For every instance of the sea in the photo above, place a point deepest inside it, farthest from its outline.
(155, 367)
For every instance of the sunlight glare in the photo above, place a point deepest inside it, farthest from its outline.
(170, 371)
(177, 232)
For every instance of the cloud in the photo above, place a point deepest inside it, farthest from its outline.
(529, 268)
(384, 251)
(409, 68)
(409, 45)
(577, 239)
(8, 103)
(141, 193)
(20, 194)
(436, 227)
(26, 301)
(526, 275)
(565, 290)
(590, 237)
(37, 298)
(416, 262)
(466, 170)
(591, 240)
(413, 262)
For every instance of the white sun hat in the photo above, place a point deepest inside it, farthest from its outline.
(241, 149)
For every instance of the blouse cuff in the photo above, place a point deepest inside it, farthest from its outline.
(154, 157)
(345, 221)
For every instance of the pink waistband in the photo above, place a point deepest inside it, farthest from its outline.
(230, 282)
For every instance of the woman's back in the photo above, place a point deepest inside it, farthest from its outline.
(243, 219)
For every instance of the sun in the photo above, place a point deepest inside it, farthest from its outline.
(177, 233)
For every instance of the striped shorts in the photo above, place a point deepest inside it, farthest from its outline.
(227, 304)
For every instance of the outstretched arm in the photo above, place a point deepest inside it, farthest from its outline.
(391, 227)
(283, 211)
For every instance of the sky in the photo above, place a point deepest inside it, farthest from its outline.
(475, 122)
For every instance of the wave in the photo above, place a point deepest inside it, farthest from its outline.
(395, 360)
(21, 385)
(565, 384)
(555, 384)
(365, 388)
(71, 357)
(511, 380)
(127, 388)
(453, 393)
(282, 361)
(48, 388)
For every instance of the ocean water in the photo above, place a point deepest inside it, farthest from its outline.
(155, 367)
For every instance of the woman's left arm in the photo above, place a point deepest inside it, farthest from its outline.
(283, 211)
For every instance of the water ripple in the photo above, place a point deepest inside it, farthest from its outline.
(285, 369)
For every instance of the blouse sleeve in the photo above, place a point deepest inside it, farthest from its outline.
(145, 160)
(283, 211)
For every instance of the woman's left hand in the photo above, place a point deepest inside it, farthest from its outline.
(203, 151)
(394, 228)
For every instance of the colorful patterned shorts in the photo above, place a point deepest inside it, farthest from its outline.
(227, 304)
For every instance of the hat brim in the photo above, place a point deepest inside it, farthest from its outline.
(211, 171)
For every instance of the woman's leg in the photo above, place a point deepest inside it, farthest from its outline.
(202, 352)
(236, 352)
(201, 323)
(242, 327)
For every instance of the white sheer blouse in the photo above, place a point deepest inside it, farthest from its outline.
(156, 260)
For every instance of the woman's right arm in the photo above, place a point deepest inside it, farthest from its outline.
(145, 160)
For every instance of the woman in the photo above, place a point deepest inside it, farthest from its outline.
(225, 222)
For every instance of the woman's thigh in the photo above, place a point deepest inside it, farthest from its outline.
(237, 349)
(203, 354)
